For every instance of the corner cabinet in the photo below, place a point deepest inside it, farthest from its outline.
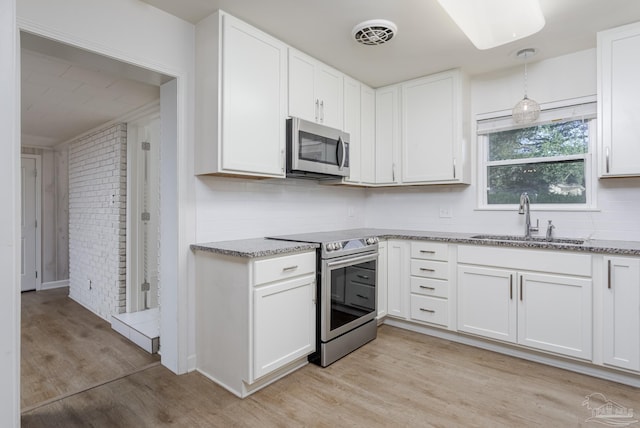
(315, 90)
(434, 144)
(241, 99)
(501, 296)
(387, 162)
(255, 318)
(618, 86)
(621, 312)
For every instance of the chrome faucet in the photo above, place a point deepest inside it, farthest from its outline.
(550, 228)
(524, 209)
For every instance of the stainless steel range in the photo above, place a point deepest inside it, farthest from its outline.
(346, 313)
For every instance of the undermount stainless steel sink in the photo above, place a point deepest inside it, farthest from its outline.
(517, 238)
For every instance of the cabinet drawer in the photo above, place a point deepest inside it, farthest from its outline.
(360, 295)
(430, 287)
(277, 268)
(429, 269)
(429, 251)
(430, 309)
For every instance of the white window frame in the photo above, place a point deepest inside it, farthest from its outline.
(575, 109)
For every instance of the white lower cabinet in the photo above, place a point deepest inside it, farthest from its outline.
(398, 273)
(255, 318)
(381, 285)
(550, 312)
(621, 312)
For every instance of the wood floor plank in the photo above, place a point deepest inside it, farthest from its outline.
(402, 379)
(66, 348)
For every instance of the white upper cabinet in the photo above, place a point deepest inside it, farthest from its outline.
(367, 135)
(433, 144)
(352, 125)
(241, 99)
(387, 135)
(618, 87)
(315, 90)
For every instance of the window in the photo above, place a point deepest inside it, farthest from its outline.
(550, 159)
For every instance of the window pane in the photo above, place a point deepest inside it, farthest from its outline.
(556, 139)
(546, 183)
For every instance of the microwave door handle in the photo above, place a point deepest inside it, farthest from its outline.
(342, 159)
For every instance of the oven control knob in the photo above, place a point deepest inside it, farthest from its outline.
(331, 246)
(371, 241)
(338, 245)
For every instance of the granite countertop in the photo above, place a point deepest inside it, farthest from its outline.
(261, 247)
(252, 248)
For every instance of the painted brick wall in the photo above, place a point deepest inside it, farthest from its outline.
(97, 220)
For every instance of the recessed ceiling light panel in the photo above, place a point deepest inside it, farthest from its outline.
(374, 32)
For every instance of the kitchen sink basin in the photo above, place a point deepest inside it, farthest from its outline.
(516, 238)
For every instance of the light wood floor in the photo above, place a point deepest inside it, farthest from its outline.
(402, 379)
(66, 348)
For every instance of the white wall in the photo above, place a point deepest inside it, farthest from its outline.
(9, 217)
(562, 78)
(112, 28)
(230, 208)
(97, 220)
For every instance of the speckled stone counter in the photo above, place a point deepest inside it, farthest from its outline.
(266, 247)
(252, 248)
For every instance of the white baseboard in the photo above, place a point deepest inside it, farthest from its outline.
(54, 284)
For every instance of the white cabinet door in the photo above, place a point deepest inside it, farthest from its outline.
(315, 90)
(381, 284)
(555, 314)
(241, 99)
(487, 302)
(621, 312)
(284, 318)
(352, 126)
(398, 274)
(618, 86)
(367, 135)
(429, 129)
(387, 135)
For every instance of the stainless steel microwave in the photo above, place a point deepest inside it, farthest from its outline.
(316, 151)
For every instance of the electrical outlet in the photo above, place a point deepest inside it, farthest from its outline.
(446, 212)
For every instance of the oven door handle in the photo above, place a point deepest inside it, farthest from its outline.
(352, 260)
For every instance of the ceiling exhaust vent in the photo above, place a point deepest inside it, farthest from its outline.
(374, 32)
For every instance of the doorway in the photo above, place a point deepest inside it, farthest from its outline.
(30, 222)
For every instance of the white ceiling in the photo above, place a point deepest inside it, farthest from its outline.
(66, 91)
(427, 40)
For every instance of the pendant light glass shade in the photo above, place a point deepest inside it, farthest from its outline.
(527, 110)
(491, 23)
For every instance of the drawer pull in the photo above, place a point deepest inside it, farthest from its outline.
(289, 268)
(362, 276)
(427, 270)
(362, 297)
(427, 251)
(431, 311)
(427, 288)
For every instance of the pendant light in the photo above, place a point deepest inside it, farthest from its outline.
(527, 110)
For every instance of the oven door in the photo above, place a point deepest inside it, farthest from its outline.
(348, 294)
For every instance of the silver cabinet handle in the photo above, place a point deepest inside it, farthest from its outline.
(431, 311)
(427, 269)
(511, 286)
(609, 274)
(362, 297)
(289, 268)
(454, 168)
(607, 160)
(362, 276)
(427, 251)
(317, 108)
(322, 111)
(427, 288)
(521, 288)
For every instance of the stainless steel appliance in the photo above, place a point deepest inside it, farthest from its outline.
(316, 151)
(346, 294)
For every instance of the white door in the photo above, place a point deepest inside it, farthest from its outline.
(29, 274)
